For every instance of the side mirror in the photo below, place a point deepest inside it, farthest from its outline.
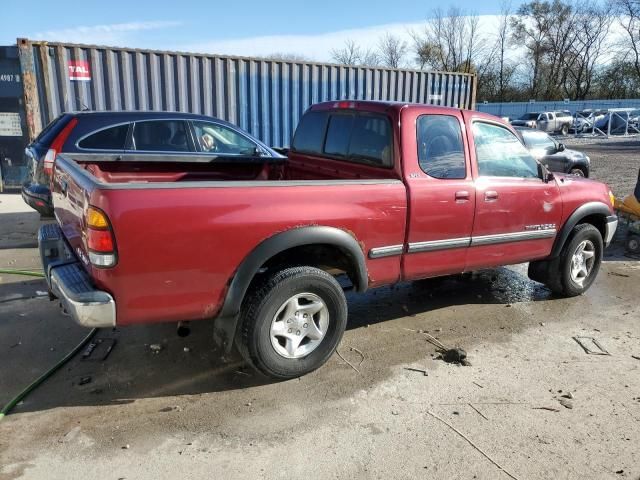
(561, 147)
(545, 175)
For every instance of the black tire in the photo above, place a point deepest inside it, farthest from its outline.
(578, 172)
(261, 306)
(581, 233)
(565, 129)
(633, 244)
(556, 273)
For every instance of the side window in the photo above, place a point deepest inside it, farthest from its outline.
(371, 140)
(216, 138)
(338, 135)
(309, 136)
(112, 138)
(440, 148)
(499, 153)
(551, 116)
(160, 136)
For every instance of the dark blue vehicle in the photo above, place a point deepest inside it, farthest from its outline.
(134, 136)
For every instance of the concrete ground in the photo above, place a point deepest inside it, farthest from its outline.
(182, 413)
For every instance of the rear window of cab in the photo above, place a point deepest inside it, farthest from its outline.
(357, 137)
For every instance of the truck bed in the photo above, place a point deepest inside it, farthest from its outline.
(181, 230)
(116, 172)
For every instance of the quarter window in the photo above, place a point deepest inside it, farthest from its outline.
(112, 138)
(440, 147)
(161, 136)
(216, 138)
(371, 140)
(338, 135)
(499, 153)
(309, 136)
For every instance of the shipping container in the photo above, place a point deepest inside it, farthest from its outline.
(262, 96)
(12, 122)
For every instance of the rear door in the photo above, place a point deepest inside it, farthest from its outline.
(441, 192)
(517, 212)
(108, 143)
(159, 140)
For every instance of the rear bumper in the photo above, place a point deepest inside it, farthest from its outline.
(70, 283)
(610, 229)
(38, 198)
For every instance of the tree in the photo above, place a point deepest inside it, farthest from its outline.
(546, 29)
(629, 18)
(450, 41)
(392, 51)
(288, 57)
(592, 26)
(352, 54)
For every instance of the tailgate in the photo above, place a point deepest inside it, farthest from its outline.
(71, 188)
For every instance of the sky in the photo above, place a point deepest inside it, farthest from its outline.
(244, 27)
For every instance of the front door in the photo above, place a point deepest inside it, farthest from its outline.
(441, 193)
(517, 212)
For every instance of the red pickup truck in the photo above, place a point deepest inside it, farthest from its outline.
(379, 192)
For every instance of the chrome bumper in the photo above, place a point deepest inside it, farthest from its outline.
(70, 283)
(610, 229)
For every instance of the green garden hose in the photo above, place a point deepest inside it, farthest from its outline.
(9, 271)
(9, 406)
(18, 398)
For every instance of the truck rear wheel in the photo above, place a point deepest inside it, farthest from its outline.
(573, 272)
(292, 322)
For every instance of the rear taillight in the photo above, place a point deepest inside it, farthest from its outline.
(100, 242)
(56, 146)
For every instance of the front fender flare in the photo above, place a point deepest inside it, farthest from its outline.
(591, 208)
(225, 324)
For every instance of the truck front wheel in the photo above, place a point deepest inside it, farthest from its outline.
(292, 322)
(573, 272)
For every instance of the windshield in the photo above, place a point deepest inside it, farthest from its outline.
(538, 140)
(529, 116)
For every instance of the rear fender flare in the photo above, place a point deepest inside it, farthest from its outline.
(591, 208)
(226, 322)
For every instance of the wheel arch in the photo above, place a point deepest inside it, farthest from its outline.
(595, 213)
(275, 248)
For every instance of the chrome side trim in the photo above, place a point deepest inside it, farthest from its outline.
(439, 245)
(512, 237)
(389, 251)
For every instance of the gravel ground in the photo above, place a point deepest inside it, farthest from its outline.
(615, 160)
(532, 405)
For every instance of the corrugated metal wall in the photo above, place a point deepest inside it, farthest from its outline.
(264, 97)
(517, 109)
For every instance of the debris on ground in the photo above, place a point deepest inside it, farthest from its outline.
(550, 409)
(637, 357)
(566, 403)
(617, 274)
(568, 395)
(98, 350)
(186, 349)
(155, 347)
(449, 355)
(84, 380)
(591, 346)
(175, 408)
(424, 372)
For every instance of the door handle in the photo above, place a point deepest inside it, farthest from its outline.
(462, 196)
(490, 196)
